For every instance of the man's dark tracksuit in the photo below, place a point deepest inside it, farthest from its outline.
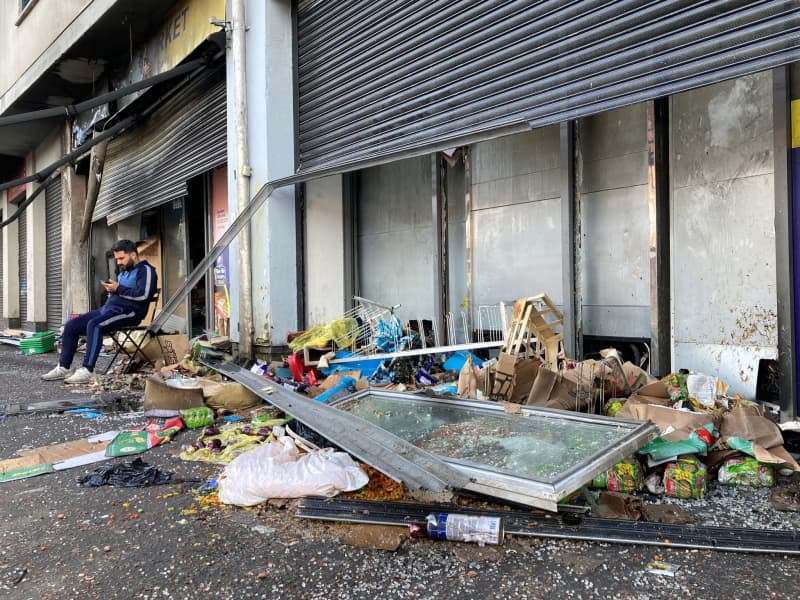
(124, 308)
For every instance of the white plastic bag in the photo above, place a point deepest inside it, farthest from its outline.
(278, 470)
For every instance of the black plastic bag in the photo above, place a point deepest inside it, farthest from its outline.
(133, 474)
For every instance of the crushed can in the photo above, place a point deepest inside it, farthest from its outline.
(465, 528)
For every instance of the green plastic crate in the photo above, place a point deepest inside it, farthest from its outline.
(39, 343)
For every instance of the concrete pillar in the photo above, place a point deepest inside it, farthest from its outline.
(271, 146)
(10, 316)
(49, 151)
(37, 263)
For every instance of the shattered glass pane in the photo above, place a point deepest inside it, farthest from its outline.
(538, 446)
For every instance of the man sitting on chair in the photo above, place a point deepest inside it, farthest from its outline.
(128, 300)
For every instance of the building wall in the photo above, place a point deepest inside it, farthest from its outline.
(395, 236)
(324, 251)
(723, 235)
(29, 48)
(270, 104)
(516, 217)
(615, 225)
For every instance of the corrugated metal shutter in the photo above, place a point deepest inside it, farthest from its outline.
(150, 165)
(23, 266)
(52, 197)
(388, 79)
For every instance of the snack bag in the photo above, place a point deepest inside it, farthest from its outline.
(625, 476)
(746, 470)
(685, 478)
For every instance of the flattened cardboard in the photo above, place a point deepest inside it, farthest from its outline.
(504, 377)
(748, 424)
(159, 348)
(682, 422)
(618, 505)
(560, 390)
(776, 456)
(51, 454)
(525, 372)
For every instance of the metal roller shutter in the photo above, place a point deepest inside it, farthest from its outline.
(23, 266)
(382, 80)
(52, 197)
(150, 165)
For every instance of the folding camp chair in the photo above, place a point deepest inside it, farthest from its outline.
(124, 339)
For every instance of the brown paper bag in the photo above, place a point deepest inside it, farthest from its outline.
(746, 423)
(467, 381)
(228, 395)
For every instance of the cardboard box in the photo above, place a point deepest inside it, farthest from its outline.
(572, 389)
(170, 348)
(150, 250)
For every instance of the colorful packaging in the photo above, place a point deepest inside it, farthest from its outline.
(136, 441)
(613, 407)
(625, 476)
(745, 470)
(685, 478)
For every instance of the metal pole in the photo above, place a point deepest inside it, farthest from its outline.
(659, 242)
(96, 161)
(568, 240)
(440, 258)
(784, 242)
(243, 172)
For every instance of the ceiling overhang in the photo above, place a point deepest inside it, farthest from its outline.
(103, 50)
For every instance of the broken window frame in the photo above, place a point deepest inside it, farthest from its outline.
(522, 488)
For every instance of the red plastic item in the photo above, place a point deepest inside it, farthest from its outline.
(296, 366)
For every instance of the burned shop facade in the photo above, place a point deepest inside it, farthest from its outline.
(631, 160)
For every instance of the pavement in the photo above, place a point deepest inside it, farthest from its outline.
(59, 540)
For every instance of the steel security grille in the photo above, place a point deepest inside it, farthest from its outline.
(23, 266)
(150, 165)
(52, 196)
(383, 80)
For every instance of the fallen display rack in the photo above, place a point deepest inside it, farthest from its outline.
(535, 456)
(592, 529)
(531, 431)
(378, 448)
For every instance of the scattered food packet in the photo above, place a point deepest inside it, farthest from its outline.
(659, 567)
